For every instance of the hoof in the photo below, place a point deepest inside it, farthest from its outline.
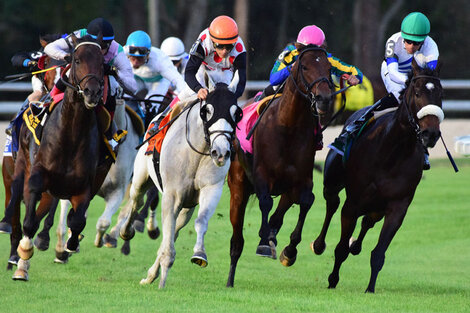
(61, 257)
(72, 246)
(25, 254)
(139, 226)
(13, 260)
(20, 274)
(5, 228)
(42, 244)
(153, 234)
(317, 247)
(199, 258)
(266, 251)
(126, 248)
(109, 241)
(285, 260)
(127, 235)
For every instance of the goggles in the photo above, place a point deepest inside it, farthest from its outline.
(227, 47)
(138, 51)
(414, 43)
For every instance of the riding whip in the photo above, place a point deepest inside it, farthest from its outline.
(451, 159)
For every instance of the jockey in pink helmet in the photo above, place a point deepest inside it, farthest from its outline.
(309, 35)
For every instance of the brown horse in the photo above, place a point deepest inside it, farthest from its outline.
(284, 145)
(382, 171)
(48, 204)
(67, 163)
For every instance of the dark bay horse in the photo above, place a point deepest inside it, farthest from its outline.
(11, 224)
(284, 145)
(67, 163)
(382, 172)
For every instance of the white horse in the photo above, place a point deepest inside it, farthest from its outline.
(114, 187)
(194, 160)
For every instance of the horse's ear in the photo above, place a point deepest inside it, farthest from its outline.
(74, 39)
(437, 70)
(43, 42)
(415, 67)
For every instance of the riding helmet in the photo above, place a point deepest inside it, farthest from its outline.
(415, 27)
(311, 35)
(100, 25)
(223, 30)
(138, 43)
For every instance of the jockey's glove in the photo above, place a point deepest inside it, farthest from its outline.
(109, 70)
(68, 58)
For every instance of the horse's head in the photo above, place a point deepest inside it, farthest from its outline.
(87, 73)
(220, 115)
(423, 95)
(312, 78)
(46, 61)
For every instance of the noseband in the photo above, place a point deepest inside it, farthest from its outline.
(429, 109)
(230, 135)
(308, 94)
(85, 78)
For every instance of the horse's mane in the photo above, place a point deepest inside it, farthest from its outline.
(423, 71)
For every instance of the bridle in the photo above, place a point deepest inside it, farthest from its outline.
(229, 135)
(407, 98)
(76, 86)
(310, 95)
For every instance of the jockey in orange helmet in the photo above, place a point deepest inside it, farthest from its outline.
(220, 53)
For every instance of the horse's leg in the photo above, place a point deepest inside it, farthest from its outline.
(276, 220)
(348, 223)
(289, 254)
(62, 256)
(209, 197)
(183, 218)
(113, 201)
(166, 252)
(47, 205)
(76, 220)
(152, 226)
(240, 190)
(265, 205)
(16, 194)
(139, 223)
(332, 184)
(390, 227)
(368, 221)
(15, 237)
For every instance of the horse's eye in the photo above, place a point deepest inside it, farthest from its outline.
(77, 61)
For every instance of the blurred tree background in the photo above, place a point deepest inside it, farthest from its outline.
(355, 30)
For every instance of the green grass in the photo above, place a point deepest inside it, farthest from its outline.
(426, 269)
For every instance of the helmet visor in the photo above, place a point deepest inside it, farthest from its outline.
(138, 51)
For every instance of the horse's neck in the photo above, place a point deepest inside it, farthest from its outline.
(292, 106)
(74, 114)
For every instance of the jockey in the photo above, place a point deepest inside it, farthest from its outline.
(115, 63)
(309, 35)
(34, 61)
(174, 48)
(412, 42)
(153, 69)
(220, 53)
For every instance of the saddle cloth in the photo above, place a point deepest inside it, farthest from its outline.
(250, 115)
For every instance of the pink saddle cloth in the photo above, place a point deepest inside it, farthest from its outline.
(250, 115)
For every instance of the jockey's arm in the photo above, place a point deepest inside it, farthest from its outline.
(239, 65)
(169, 72)
(24, 59)
(338, 68)
(125, 76)
(194, 62)
(394, 74)
(282, 66)
(57, 49)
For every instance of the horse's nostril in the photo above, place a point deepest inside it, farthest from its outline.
(227, 155)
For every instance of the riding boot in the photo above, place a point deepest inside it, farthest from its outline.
(115, 136)
(11, 127)
(426, 164)
(352, 128)
(269, 90)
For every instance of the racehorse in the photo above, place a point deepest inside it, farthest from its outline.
(193, 169)
(114, 186)
(282, 162)
(12, 224)
(67, 163)
(382, 171)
